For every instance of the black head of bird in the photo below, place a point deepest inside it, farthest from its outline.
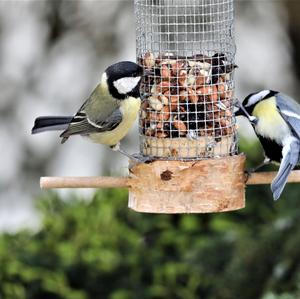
(254, 98)
(247, 106)
(123, 79)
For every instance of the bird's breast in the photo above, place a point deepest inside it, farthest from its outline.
(270, 123)
(129, 109)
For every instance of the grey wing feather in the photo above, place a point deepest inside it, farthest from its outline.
(287, 108)
(290, 153)
(110, 122)
(82, 125)
(99, 113)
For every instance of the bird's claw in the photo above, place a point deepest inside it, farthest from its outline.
(248, 173)
(139, 158)
(136, 159)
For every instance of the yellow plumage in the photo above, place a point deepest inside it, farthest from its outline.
(270, 123)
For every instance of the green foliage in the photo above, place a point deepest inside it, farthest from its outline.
(101, 249)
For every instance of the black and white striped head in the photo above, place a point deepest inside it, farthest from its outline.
(123, 79)
(253, 99)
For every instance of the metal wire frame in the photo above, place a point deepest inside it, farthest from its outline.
(187, 100)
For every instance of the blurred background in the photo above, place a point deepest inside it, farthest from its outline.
(83, 244)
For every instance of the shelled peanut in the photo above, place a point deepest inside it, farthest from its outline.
(186, 96)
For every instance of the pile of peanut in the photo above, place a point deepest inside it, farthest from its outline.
(186, 96)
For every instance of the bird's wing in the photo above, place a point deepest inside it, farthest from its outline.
(99, 113)
(290, 157)
(290, 111)
(82, 124)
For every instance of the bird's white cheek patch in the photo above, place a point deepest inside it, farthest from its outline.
(127, 84)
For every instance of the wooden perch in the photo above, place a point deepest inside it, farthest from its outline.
(206, 186)
(261, 178)
(84, 182)
(258, 178)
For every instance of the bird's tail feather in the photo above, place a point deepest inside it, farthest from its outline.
(291, 155)
(280, 180)
(50, 123)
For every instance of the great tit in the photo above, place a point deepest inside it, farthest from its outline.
(275, 118)
(109, 112)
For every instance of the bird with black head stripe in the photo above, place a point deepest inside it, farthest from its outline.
(108, 113)
(275, 118)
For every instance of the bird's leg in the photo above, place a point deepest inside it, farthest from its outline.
(266, 161)
(135, 157)
(248, 172)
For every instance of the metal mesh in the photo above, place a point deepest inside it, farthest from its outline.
(187, 47)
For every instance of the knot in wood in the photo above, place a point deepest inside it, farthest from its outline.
(166, 175)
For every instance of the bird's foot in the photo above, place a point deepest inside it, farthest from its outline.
(248, 173)
(115, 147)
(141, 158)
(135, 158)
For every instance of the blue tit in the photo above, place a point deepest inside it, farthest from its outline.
(275, 118)
(108, 113)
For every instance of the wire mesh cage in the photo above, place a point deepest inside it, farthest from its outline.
(188, 48)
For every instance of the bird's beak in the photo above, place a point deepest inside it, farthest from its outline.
(237, 111)
(242, 111)
(237, 108)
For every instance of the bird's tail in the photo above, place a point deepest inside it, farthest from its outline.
(51, 123)
(279, 182)
(291, 155)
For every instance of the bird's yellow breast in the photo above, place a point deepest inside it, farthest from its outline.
(129, 108)
(270, 123)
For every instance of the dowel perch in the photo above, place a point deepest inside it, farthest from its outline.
(258, 178)
(261, 178)
(84, 182)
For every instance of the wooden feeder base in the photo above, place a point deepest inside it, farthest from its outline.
(212, 185)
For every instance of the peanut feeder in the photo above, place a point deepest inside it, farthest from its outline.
(186, 122)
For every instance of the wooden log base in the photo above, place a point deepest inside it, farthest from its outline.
(212, 185)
